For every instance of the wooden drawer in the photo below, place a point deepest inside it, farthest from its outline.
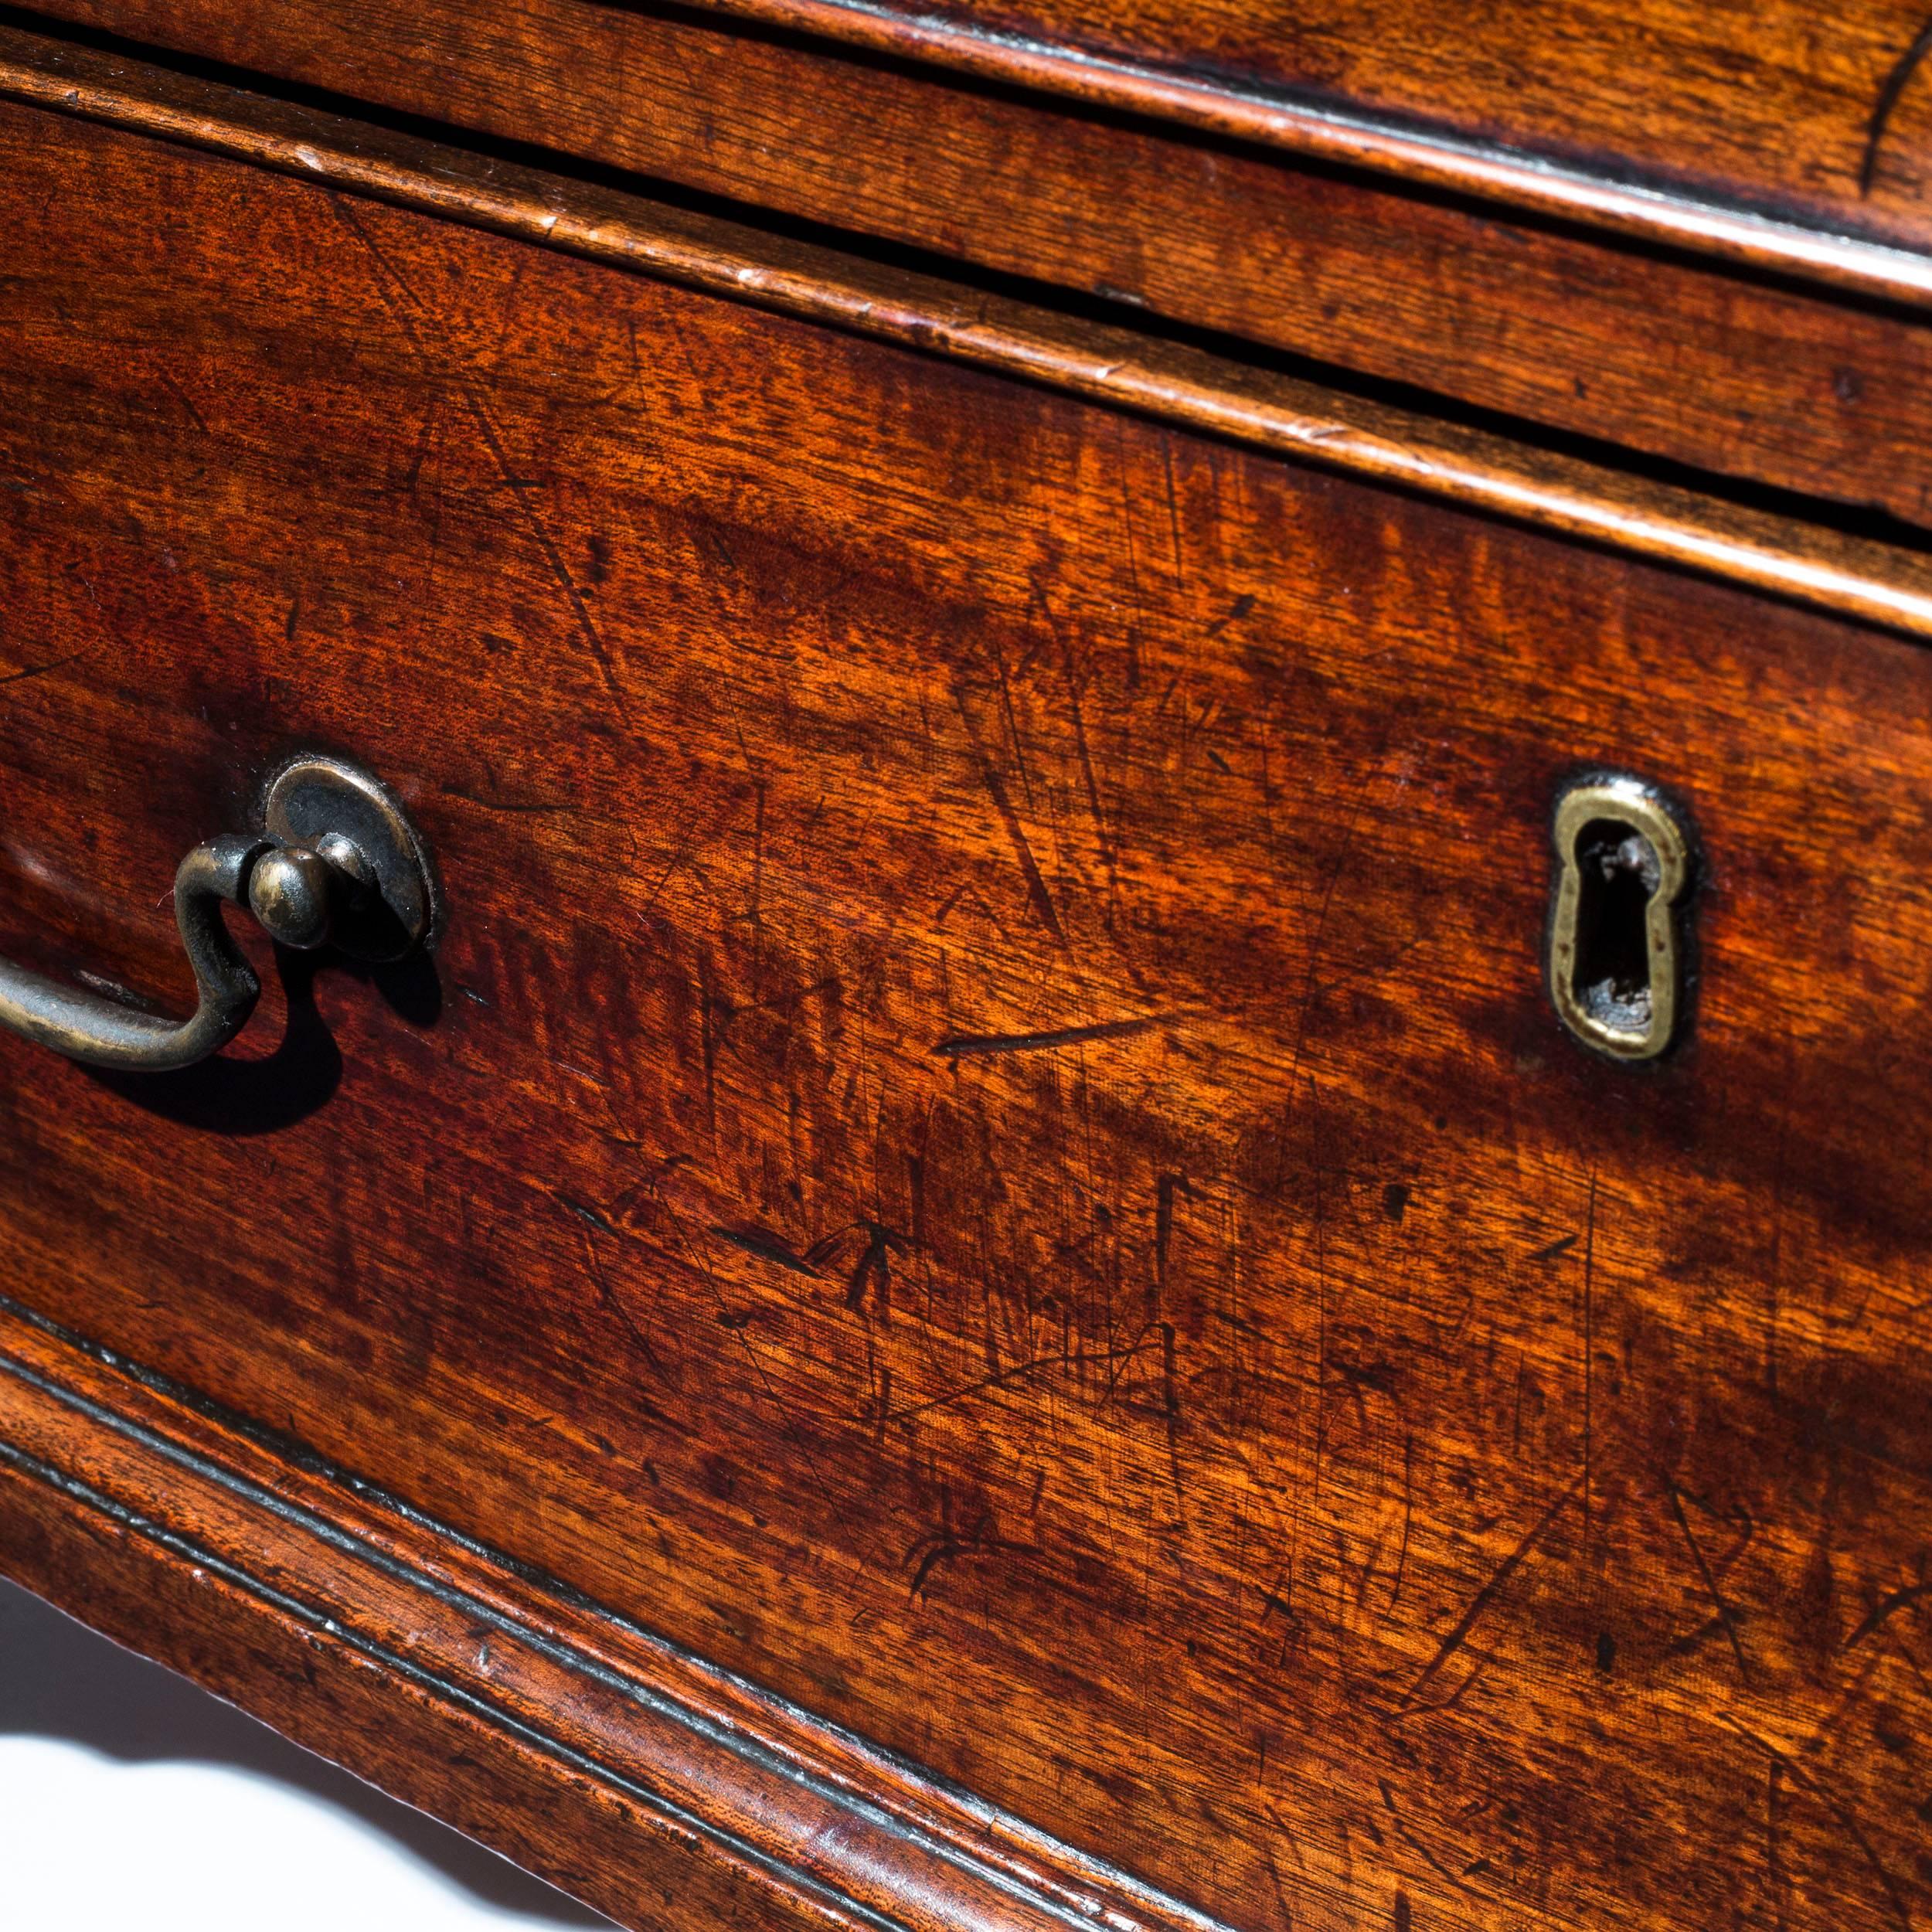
(984, 1147)
(1314, 236)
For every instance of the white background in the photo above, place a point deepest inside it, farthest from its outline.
(130, 1801)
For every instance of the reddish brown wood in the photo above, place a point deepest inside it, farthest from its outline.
(649, 1783)
(1771, 106)
(322, 1688)
(1728, 215)
(1762, 382)
(985, 1146)
(1885, 583)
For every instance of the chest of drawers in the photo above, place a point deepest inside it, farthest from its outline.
(974, 1282)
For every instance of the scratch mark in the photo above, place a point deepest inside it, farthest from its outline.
(1895, 82)
(1343, 853)
(532, 808)
(966, 1045)
(1013, 1373)
(1448, 1703)
(1590, 1276)
(1724, 1614)
(478, 405)
(588, 1216)
(1488, 1594)
(181, 396)
(1132, 631)
(596, 1223)
(1036, 885)
(786, 1411)
(1408, 1512)
(1012, 718)
(1799, 1775)
(1408, 1838)
(949, 1545)
(755, 915)
(1773, 1864)
(1036, 892)
(875, 1265)
(1165, 1188)
(1092, 786)
(1280, 1891)
(1173, 509)
(1896, 1649)
(768, 1247)
(708, 1049)
(1555, 1250)
(1170, 1405)
(968, 894)
(1774, 1265)
(38, 670)
(1886, 1609)
(1321, 1299)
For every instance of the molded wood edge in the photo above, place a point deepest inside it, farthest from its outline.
(1289, 417)
(548, 1728)
(1437, 158)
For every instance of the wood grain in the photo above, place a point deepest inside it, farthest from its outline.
(1611, 188)
(1760, 109)
(985, 1147)
(651, 1785)
(1881, 583)
(1766, 382)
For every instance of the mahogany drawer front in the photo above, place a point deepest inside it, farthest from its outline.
(1757, 378)
(984, 1144)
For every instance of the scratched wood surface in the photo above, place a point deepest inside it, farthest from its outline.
(1773, 105)
(1766, 382)
(1778, 104)
(985, 1146)
(577, 1744)
(1774, 102)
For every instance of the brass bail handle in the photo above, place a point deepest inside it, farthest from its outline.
(337, 859)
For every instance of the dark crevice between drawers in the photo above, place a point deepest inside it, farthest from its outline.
(1864, 523)
(1610, 169)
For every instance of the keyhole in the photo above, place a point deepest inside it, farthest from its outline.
(1615, 951)
(1618, 875)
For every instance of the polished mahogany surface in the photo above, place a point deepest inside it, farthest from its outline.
(985, 1146)
(1339, 255)
(1777, 103)
(1774, 106)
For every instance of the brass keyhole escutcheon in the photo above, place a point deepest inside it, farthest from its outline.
(1617, 945)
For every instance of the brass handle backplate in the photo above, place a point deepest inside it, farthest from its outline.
(336, 860)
